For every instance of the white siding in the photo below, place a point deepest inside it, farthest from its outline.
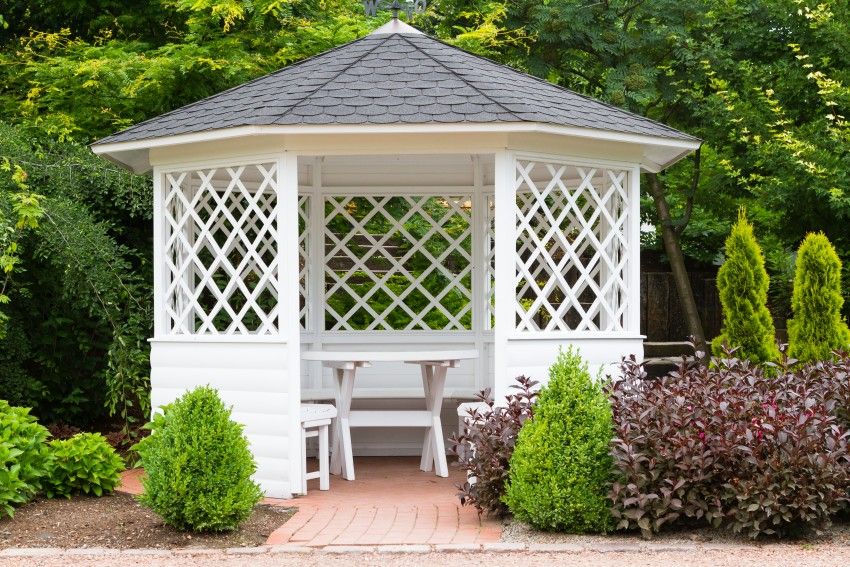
(253, 379)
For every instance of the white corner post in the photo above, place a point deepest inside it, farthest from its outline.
(290, 314)
(226, 300)
(505, 274)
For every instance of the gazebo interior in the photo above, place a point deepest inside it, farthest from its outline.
(400, 251)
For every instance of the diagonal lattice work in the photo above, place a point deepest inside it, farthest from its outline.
(571, 247)
(221, 251)
(398, 262)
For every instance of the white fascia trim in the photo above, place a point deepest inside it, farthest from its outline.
(504, 127)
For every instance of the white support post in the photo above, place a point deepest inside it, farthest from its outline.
(633, 231)
(480, 309)
(160, 273)
(506, 235)
(316, 258)
(289, 325)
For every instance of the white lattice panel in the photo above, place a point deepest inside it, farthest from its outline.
(304, 259)
(221, 251)
(571, 247)
(398, 262)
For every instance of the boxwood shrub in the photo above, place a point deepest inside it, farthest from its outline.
(198, 466)
(728, 446)
(23, 455)
(84, 464)
(560, 469)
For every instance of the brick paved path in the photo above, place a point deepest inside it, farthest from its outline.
(392, 502)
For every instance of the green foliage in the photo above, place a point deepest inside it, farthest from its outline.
(86, 463)
(23, 456)
(817, 328)
(79, 293)
(197, 465)
(743, 282)
(559, 472)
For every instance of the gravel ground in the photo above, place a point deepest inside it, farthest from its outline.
(738, 557)
(838, 535)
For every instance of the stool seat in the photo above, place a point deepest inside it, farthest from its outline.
(317, 412)
(315, 419)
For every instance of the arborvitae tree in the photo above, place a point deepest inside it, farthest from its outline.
(742, 282)
(817, 328)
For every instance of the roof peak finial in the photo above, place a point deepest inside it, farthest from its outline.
(410, 7)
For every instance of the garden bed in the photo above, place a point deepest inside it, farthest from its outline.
(118, 521)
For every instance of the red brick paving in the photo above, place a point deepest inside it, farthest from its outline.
(392, 502)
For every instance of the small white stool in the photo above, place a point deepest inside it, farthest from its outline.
(463, 414)
(315, 419)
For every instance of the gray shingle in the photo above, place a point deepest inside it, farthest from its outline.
(394, 79)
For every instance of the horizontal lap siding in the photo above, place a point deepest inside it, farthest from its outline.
(252, 379)
(532, 357)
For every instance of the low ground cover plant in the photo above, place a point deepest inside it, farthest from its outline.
(731, 446)
(198, 465)
(560, 470)
(23, 457)
(485, 448)
(84, 464)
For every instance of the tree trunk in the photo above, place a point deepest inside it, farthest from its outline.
(673, 248)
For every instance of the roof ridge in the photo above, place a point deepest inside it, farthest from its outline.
(338, 74)
(459, 76)
(234, 87)
(558, 87)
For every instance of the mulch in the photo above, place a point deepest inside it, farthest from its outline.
(118, 521)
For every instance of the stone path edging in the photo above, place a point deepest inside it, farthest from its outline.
(502, 547)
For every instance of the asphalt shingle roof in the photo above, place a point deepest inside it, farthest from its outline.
(394, 78)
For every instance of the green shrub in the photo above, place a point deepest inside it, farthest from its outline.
(817, 328)
(560, 469)
(743, 283)
(86, 463)
(23, 456)
(197, 465)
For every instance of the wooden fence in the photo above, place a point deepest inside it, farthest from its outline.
(661, 316)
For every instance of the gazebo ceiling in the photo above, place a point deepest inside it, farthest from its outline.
(394, 76)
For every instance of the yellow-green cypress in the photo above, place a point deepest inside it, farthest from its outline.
(817, 328)
(742, 283)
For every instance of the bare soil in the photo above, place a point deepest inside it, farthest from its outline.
(118, 521)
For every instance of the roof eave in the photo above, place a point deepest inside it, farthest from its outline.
(659, 152)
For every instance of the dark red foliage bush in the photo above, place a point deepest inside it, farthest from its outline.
(731, 446)
(484, 449)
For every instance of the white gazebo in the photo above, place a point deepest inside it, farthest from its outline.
(395, 193)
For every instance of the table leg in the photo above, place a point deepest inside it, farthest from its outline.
(438, 384)
(427, 446)
(342, 459)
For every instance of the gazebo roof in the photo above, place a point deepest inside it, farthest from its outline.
(396, 75)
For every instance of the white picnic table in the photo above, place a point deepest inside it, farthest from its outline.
(434, 365)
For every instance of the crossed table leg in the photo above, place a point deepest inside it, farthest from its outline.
(433, 450)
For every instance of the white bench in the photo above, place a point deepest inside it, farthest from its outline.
(315, 419)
